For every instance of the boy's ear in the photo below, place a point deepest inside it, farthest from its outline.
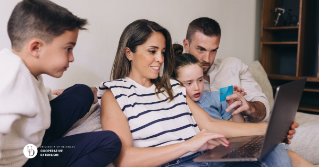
(34, 47)
(128, 54)
(186, 45)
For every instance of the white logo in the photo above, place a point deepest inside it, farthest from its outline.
(30, 151)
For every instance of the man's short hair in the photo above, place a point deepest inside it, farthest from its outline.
(41, 19)
(205, 25)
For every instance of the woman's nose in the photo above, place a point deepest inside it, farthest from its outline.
(160, 58)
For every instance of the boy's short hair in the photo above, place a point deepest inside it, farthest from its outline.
(205, 25)
(41, 19)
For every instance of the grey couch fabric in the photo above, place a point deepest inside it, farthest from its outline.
(306, 140)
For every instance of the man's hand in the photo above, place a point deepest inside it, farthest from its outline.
(291, 132)
(237, 102)
(255, 111)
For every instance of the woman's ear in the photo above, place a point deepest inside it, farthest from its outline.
(128, 54)
(34, 47)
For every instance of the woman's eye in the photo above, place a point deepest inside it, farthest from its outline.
(152, 51)
(200, 80)
(68, 49)
(188, 83)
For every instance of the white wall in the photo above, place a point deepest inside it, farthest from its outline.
(96, 48)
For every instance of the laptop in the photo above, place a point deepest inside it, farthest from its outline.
(254, 148)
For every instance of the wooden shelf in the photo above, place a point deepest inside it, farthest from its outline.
(282, 28)
(306, 89)
(311, 90)
(292, 50)
(292, 78)
(309, 107)
(280, 43)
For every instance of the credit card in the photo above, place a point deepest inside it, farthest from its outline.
(224, 92)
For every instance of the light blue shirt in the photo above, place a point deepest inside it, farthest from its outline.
(210, 103)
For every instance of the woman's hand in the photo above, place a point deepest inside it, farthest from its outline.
(291, 132)
(206, 140)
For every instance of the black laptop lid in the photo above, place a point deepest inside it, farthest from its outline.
(287, 100)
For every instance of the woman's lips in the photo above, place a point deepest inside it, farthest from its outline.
(196, 95)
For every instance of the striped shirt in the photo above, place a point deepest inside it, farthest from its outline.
(153, 121)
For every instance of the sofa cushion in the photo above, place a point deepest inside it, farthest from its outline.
(260, 76)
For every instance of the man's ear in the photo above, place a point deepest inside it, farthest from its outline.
(186, 45)
(34, 47)
(128, 54)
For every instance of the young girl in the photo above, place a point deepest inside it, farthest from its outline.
(189, 72)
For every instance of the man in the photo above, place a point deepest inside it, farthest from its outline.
(202, 40)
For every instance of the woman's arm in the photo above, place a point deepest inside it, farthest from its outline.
(230, 129)
(112, 118)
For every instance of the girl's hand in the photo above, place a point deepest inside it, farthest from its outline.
(239, 89)
(206, 140)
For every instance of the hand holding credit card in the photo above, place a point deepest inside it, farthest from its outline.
(224, 92)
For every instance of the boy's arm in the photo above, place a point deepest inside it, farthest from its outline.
(6, 121)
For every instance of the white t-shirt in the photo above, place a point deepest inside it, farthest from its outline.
(24, 109)
(153, 121)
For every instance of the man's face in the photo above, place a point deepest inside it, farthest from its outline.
(204, 48)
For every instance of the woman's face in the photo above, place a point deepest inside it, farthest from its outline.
(148, 58)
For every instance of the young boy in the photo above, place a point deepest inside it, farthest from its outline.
(43, 36)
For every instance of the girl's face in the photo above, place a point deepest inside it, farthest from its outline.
(148, 58)
(191, 76)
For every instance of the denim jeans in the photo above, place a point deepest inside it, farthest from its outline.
(277, 157)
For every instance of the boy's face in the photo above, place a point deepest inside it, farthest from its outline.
(191, 76)
(55, 57)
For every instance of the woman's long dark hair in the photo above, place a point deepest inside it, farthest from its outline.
(135, 34)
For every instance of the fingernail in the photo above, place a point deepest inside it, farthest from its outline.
(293, 128)
(223, 135)
(228, 142)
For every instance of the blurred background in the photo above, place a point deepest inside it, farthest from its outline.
(240, 21)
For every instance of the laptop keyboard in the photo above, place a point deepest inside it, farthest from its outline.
(249, 149)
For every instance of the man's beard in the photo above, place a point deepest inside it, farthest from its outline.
(204, 63)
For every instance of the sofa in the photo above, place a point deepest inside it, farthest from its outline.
(305, 142)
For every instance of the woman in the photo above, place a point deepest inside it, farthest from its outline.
(154, 118)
